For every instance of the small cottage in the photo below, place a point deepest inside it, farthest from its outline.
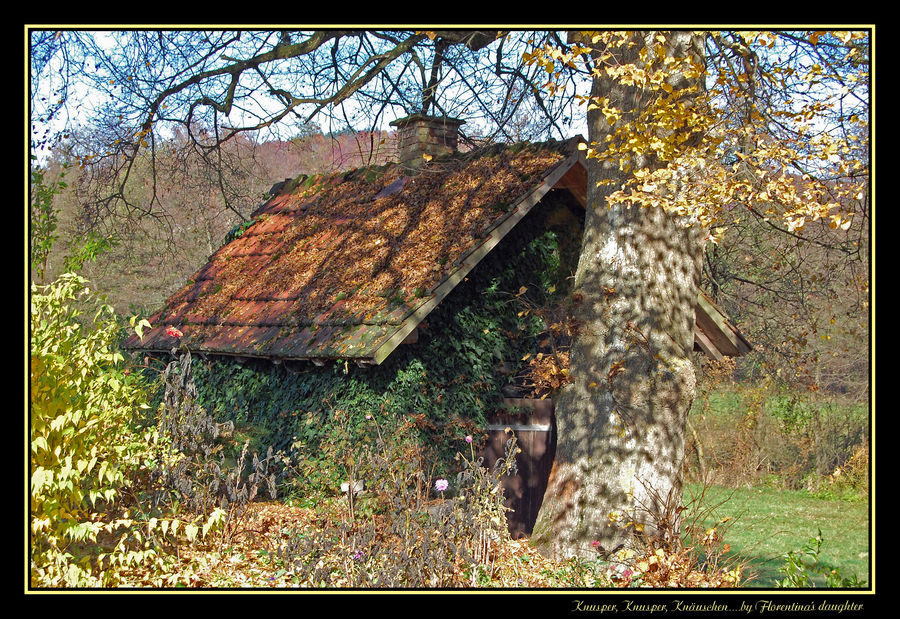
(354, 269)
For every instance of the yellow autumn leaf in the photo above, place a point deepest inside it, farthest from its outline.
(191, 531)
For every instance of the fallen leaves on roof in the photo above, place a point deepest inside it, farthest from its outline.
(332, 265)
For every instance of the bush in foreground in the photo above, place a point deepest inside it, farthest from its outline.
(85, 442)
(96, 455)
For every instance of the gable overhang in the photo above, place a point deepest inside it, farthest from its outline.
(713, 334)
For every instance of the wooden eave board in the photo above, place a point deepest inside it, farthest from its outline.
(708, 348)
(575, 180)
(718, 335)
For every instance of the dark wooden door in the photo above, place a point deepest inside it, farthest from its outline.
(533, 423)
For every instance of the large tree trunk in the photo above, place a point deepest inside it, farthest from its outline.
(621, 423)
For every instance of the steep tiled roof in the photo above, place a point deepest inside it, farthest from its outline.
(345, 266)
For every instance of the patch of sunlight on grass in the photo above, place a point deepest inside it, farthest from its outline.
(769, 523)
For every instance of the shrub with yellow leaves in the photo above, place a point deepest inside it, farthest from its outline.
(82, 437)
(89, 451)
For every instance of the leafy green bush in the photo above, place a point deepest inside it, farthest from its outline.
(43, 218)
(84, 431)
(101, 471)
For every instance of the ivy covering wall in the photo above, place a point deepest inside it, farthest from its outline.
(441, 388)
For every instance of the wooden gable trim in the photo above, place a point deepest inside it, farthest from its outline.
(717, 337)
(575, 180)
(708, 348)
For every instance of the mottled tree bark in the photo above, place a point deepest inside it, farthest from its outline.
(621, 423)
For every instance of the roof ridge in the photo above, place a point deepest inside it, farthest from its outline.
(348, 174)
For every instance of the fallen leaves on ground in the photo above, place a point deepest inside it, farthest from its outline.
(251, 561)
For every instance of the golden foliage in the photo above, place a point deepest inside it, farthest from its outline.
(739, 140)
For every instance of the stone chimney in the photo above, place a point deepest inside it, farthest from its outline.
(421, 135)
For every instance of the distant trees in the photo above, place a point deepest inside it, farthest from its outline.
(801, 297)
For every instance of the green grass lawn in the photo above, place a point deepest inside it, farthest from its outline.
(768, 523)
